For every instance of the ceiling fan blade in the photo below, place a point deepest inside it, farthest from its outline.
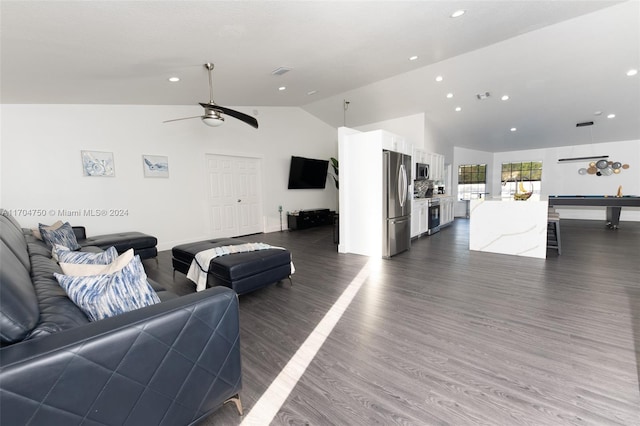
(185, 118)
(251, 121)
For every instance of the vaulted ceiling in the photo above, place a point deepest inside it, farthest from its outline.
(560, 62)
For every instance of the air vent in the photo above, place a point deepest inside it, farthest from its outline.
(583, 124)
(280, 71)
(483, 96)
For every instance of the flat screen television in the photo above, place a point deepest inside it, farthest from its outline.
(307, 173)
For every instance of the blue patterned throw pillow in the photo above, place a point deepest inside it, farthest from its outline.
(109, 294)
(63, 236)
(64, 255)
(57, 249)
(36, 231)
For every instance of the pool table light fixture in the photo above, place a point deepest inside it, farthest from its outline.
(591, 157)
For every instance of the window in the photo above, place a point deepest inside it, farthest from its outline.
(472, 181)
(527, 175)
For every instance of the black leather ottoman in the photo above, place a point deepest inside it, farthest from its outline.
(142, 244)
(243, 272)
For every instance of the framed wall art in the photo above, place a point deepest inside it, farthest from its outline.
(155, 166)
(96, 163)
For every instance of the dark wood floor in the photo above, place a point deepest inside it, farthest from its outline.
(441, 335)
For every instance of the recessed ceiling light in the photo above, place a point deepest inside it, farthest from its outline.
(413, 58)
(597, 113)
(513, 129)
(439, 78)
(312, 92)
(632, 72)
(505, 97)
(458, 13)
(458, 109)
(281, 88)
(174, 79)
(611, 116)
(449, 95)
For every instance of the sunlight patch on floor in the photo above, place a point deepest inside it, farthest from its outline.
(270, 402)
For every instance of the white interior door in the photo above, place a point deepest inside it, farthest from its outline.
(247, 189)
(233, 195)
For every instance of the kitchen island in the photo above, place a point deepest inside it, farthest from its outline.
(510, 227)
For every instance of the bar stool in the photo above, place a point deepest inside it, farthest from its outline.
(553, 230)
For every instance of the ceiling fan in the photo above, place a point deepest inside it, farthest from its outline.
(214, 114)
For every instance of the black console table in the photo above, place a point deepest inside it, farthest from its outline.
(309, 218)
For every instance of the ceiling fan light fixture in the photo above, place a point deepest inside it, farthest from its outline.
(213, 113)
(213, 119)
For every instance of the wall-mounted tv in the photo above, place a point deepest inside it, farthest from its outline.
(307, 173)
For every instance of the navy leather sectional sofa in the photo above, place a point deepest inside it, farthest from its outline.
(171, 363)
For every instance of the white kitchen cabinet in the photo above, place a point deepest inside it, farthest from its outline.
(447, 206)
(424, 217)
(419, 156)
(436, 164)
(396, 143)
(419, 217)
(415, 219)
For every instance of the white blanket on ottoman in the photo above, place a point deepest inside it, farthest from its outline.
(198, 274)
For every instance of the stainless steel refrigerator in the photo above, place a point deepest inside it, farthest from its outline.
(396, 203)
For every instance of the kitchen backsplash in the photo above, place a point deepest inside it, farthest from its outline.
(420, 187)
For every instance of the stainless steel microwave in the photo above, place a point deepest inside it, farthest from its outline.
(422, 171)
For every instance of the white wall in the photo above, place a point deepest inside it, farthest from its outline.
(563, 178)
(41, 167)
(463, 156)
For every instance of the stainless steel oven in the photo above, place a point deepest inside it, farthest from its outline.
(433, 212)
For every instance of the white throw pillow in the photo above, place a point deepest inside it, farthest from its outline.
(86, 269)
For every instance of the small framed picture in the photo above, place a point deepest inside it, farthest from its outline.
(155, 166)
(96, 163)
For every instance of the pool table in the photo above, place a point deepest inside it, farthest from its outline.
(611, 202)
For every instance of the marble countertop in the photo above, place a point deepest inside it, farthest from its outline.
(510, 227)
(434, 196)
